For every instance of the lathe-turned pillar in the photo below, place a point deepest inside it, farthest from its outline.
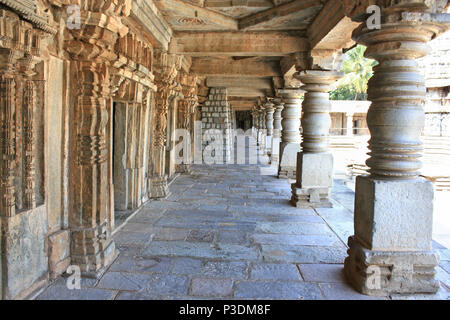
(290, 133)
(269, 111)
(315, 162)
(276, 139)
(391, 251)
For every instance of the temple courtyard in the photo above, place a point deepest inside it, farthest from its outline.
(229, 232)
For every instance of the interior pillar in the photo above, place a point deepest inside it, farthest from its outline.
(275, 158)
(269, 110)
(315, 162)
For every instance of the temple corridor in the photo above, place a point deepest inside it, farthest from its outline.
(229, 232)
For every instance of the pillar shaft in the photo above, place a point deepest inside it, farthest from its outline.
(391, 251)
(276, 139)
(290, 133)
(315, 163)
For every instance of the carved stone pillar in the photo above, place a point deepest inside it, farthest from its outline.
(290, 134)
(275, 157)
(91, 49)
(7, 134)
(269, 111)
(391, 251)
(186, 110)
(165, 75)
(315, 162)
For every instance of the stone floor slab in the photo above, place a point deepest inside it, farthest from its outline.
(273, 271)
(277, 290)
(332, 273)
(202, 287)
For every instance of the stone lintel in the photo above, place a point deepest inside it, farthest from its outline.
(240, 68)
(269, 43)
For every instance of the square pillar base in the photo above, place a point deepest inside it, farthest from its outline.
(311, 197)
(391, 252)
(314, 180)
(382, 273)
(159, 188)
(183, 168)
(288, 160)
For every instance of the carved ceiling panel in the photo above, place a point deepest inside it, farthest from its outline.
(234, 15)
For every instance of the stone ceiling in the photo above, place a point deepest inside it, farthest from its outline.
(229, 40)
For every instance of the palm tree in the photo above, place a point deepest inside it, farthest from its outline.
(358, 70)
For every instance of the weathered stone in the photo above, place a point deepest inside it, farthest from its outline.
(211, 287)
(278, 290)
(59, 257)
(272, 271)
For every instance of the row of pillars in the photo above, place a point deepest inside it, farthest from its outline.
(391, 250)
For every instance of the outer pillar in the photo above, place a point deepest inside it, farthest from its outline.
(391, 251)
(290, 134)
(315, 162)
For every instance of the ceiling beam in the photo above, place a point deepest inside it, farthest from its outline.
(284, 11)
(228, 82)
(240, 68)
(331, 29)
(245, 92)
(238, 43)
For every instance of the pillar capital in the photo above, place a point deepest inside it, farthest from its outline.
(291, 93)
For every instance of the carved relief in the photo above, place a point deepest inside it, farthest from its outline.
(20, 48)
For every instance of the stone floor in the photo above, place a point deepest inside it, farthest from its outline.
(229, 232)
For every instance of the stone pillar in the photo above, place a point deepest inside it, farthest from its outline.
(275, 157)
(165, 75)
(186, 109)
(216, 118)
(92, 52)
(269, 111)
(290, 134)
(315, 162)
(261, 130)
(391, 251)
(349, 125)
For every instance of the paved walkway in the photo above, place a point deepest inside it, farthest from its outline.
(229, 232)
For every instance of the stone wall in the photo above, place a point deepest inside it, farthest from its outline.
(217, 123)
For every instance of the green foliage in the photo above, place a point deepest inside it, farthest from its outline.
(358, 70)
